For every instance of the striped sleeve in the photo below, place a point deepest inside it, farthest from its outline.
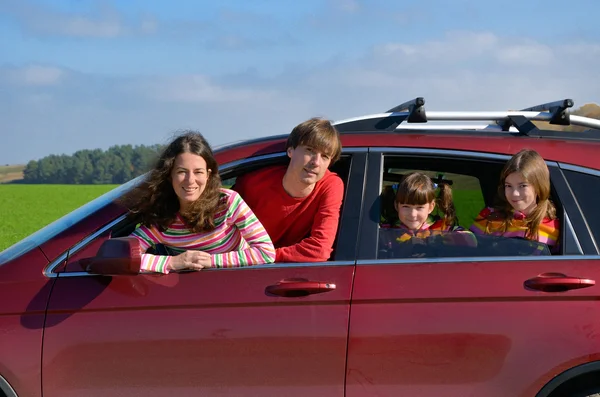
(549, 232)
(148, 237)
(479, 225)
(260, 250)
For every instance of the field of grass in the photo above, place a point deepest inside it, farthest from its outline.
(25, 209)
(468, 203)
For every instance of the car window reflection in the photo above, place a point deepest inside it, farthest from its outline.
(397, 244)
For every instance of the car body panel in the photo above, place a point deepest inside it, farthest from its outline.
(467, 328)
(213, 333)
(24, 293)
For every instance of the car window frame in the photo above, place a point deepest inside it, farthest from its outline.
(368, 240)
(570, 168)
(347, 235)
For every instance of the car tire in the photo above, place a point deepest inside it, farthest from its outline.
(595, 392)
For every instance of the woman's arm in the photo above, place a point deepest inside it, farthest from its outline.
(149, 237)
(260, 250)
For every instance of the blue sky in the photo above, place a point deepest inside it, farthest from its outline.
(77, 74)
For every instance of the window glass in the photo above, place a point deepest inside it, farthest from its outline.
(471, 182)
(586, 188)
(398, 244)
(466, 191)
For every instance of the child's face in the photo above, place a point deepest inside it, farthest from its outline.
(519, 193)
(413, 216)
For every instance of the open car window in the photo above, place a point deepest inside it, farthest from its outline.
(474, 186)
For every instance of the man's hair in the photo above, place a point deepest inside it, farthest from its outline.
(319, 134)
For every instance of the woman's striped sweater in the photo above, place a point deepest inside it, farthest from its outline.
(239, 239)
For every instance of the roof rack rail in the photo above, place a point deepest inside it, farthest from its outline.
(558, 110)
(416, 110)
(519, 121)
(395, 116)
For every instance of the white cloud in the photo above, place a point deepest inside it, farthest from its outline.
(350, 6)
(193, 88)
(104, 22)
(32, 75)
(526, 54)
(459, 71)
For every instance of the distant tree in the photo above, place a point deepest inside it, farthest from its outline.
(31, 172)
(116, 165)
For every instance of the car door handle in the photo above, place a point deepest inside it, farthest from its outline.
(291, 288)
(557, 282)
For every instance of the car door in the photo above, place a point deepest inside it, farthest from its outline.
(252, 331)
(468, 326)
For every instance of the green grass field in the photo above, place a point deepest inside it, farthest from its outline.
(468, 203)
(25, 209)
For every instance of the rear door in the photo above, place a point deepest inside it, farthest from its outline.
(222, 332)
(468, 326)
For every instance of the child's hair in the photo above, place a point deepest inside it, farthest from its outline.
(417, 188)
(534, 170)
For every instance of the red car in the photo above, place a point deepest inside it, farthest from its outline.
(471, 323)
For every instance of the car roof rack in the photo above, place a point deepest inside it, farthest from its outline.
(520, 122)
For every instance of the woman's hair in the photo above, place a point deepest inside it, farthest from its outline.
(534, 170)
(154, 201)
(417, 188)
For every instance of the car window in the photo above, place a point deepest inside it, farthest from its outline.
(126, 227)
(586, 188)
(473, 186)
(341, 168)
(466, 190)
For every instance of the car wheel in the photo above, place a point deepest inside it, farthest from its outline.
(595, 392)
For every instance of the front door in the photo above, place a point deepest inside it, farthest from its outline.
(209, 333)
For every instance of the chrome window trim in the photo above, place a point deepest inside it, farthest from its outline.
(449, 152)
(576, 168)
(570, 227)
(516, 259)
(225, 167)
(255, 267)
(354, 150)
(442, 152)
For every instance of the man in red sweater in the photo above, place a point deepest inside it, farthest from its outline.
(299, 204)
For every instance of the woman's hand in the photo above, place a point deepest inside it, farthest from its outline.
(190, 260)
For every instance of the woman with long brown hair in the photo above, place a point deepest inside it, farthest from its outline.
(182, 205)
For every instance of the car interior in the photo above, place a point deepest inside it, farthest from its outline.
(341, 167)
(474, 187)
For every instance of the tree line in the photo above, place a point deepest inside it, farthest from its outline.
(116, 165)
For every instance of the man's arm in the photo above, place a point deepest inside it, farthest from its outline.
(319, 245)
